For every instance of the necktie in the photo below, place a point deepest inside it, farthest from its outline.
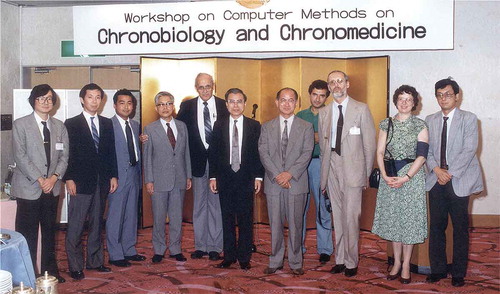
(443, 143)
(170, 135)
(284, 141)
(130, 145)
(340, 125)
(95, 134)
(207, 123)
(46, 142)
(235, 149)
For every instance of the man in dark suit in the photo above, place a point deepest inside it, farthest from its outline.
(41, 154)
(454, 174)
(285, 147)
(199, 114)
(121, 222)
(167, 174)
(92, 174)
(236, 173)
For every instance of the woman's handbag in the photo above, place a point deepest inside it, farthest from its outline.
(389, 163)
(374, 178)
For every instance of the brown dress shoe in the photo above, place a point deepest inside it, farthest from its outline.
(298, 271)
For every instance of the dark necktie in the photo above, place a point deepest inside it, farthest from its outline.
(95, 134)
(207, 123)
(443, 143)
(235, 149)
(46, 142)
(130, 145)
(284, 141)
(170, 135)
(340, 125)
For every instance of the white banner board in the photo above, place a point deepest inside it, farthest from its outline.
(277, 25)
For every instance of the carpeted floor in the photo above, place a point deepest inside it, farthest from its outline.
(200, 276)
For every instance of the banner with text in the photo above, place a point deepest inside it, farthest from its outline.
(269, 26)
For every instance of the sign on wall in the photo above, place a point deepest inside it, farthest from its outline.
(276, 25)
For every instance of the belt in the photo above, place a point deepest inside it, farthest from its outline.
(317, 156)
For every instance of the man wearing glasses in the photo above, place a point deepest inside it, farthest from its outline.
(236, 174)
(41, 148)
(454, 174)
(347, 146)
(167, 174)
(199, 114)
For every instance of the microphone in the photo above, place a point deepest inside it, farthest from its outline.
(254, 108)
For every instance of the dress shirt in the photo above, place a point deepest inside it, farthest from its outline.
(96, 121)
(335, 117)
(39, 123)
(122, 125)
(289, 122)
(172, 126)
(448, 124)
(201, 120)
(239, 126)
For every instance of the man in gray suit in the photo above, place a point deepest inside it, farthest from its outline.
(454, 174)
(121, 223)
(41, 154)
(285, 146)
(347, 147)
(167, 174)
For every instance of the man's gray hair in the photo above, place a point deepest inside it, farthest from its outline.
(163, 93)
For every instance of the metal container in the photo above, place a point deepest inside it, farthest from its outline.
(23, 289)
(46, 284)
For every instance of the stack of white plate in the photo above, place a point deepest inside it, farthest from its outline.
(5, 282)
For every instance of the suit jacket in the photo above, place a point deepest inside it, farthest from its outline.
(167, 168)
(188, 113)
(298, 154)
(461, 149)
(30, 158)
(219, 153)
(358, 150)
(86, 165)
(122, 156)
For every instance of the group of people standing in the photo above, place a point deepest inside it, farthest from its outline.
(226, 157)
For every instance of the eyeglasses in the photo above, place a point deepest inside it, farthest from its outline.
(405, 100)
(204, 88)
(337, 81)
(43, 99)
(445, 95)
(235, 101)
(167, 104)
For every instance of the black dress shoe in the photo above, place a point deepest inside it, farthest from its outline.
(101, 269)
(272, 270)
(433, 278)
(213, 255)
(178, 257)
(245, 265)
(337, 269)
(120, 263)
(60, 279)
(324, 258)
(77, 275)
(457, 282)
(393, 277)
(405, 281)
(225, 264)
(136, 257)
(198, 254)
(157, 258)
(351, 272)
